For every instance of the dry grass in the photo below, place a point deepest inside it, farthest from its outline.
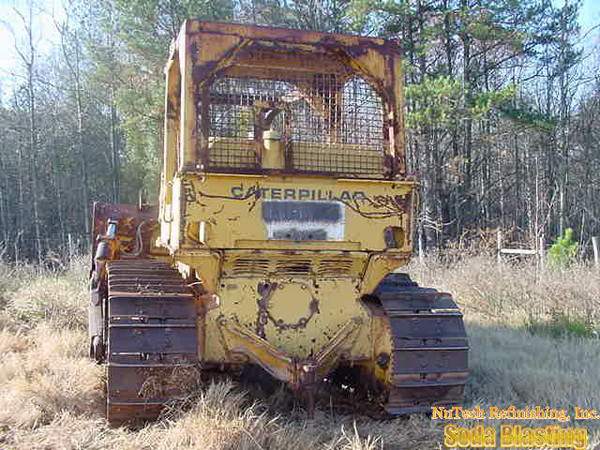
(511, 294)
(51, 395)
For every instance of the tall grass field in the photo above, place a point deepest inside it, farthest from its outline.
(533, 336)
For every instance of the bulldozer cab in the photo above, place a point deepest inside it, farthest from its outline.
(263, 114)
(332, 102)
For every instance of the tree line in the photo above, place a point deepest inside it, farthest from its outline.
(502, 112)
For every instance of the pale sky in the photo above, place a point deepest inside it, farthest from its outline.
(46, 35)
(589, 16)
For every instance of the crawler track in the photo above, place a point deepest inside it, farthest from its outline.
(152, 340)
(430, 347)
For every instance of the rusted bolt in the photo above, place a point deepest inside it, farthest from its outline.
(383, 360)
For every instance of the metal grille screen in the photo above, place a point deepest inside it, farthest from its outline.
(328, 123)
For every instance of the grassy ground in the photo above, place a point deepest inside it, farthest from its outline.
(533, 339)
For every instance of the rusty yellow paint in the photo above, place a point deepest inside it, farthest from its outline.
(379, 265)
(243, 346)
(273, 156)
(187, 102)
(212, 223)
(229, 205)
(205, 263)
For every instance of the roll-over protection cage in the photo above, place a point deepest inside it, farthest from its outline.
(333, 102)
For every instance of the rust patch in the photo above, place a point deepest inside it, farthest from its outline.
(265, 291)
(217, 50)
(135, 227)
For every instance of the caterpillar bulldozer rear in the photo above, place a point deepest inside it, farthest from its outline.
(284, 212)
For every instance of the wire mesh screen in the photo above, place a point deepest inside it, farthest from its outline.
(328, 123)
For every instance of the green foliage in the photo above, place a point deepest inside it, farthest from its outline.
(322, 15)
(359, 15)
(564, 250)
(440, 102)
(435, 101)
(527, 116)
(483, 102)
(146, 30)
(562, 325)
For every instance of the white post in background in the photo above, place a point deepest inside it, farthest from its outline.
(499, 246)
(71, 250)
(596, 248)
(420, 245)
(542, 252)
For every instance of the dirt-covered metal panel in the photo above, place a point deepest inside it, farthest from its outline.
(229, 211)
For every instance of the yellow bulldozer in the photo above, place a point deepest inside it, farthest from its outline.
(285, 210)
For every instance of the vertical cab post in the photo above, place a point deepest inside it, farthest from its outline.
(188, 135)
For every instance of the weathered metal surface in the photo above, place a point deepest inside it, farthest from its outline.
(285, 203)
(429, 346)
(271, 52)
(118, 230)
(298, 372)
(130, 219)
(265, 314)
(334, 100)
(152, 338)
(238, 213)
(326, 123)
